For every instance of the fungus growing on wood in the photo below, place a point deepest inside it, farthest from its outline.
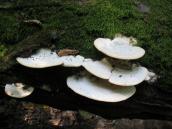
(18, 90)
(72, 61)
(113, 79)
(118, 76)
(119, 49)
(46, 58)
(42, 59)
(134, 76)
(101, 69)
(98, 89)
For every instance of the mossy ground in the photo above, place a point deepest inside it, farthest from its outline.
(79, 22)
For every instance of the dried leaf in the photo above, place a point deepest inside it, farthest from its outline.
(66, 52)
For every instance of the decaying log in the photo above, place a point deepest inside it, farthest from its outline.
(149, 102)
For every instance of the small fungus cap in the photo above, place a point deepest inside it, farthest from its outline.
(18, 90)
(98, 89)
(128, 77)
(118, 49)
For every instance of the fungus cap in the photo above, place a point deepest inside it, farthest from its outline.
(98, 89)
(42, 59)
(101, 69)
(72, 61)
(118, 49)
(18, 90)
(128, 77)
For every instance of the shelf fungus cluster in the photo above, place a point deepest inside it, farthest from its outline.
(111, 79)
(111, 82)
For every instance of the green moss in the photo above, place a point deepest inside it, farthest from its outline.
(13, 30)
(80, 22)
(3, 50)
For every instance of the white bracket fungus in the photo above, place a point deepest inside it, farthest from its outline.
(42, 59)
(73, 61)
(122, 77)
(18, 90)
(46, 58)
(115, 83)
(115, 49)
(98, 89)
(101, 69)
(128, 77)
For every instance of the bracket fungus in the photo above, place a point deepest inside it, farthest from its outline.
(119, 49)
(42, 59)
(46, 58)
(122, 77)
(73, 61)
(18, 90)
(111, 82)
(101, 69)
(98, 89)
(130, 77)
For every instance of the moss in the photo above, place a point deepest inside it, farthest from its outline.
(78, 23)
(3, 50)
(13, 30)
